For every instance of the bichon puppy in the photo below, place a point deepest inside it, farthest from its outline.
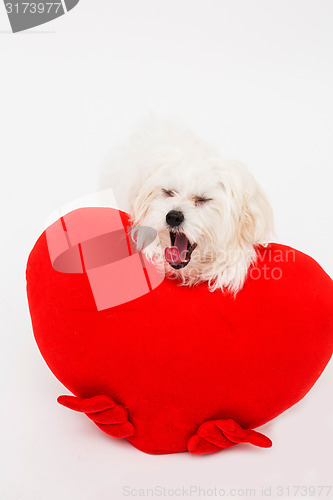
(209, 213)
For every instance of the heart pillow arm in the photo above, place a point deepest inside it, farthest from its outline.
(109, 416)
(216, 435)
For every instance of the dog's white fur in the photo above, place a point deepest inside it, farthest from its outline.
(162, 155)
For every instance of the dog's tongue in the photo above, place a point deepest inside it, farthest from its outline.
(177, 254)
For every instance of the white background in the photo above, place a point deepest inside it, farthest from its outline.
(253, 77)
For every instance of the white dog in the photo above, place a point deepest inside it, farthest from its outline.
(209, 213)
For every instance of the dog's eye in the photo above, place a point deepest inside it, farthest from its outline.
(168, 192)
(201, 200)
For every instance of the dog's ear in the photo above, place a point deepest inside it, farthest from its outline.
(138, 203)
(250, 209)
(255, 211)
(141, 194)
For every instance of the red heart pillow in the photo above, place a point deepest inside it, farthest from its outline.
(173, 368)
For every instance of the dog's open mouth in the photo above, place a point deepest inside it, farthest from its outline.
(178, 255)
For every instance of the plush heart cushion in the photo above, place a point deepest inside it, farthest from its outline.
(173, 368)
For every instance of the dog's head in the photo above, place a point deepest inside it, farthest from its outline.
(206, 211)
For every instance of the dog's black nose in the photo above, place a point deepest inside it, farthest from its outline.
(174, 218)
